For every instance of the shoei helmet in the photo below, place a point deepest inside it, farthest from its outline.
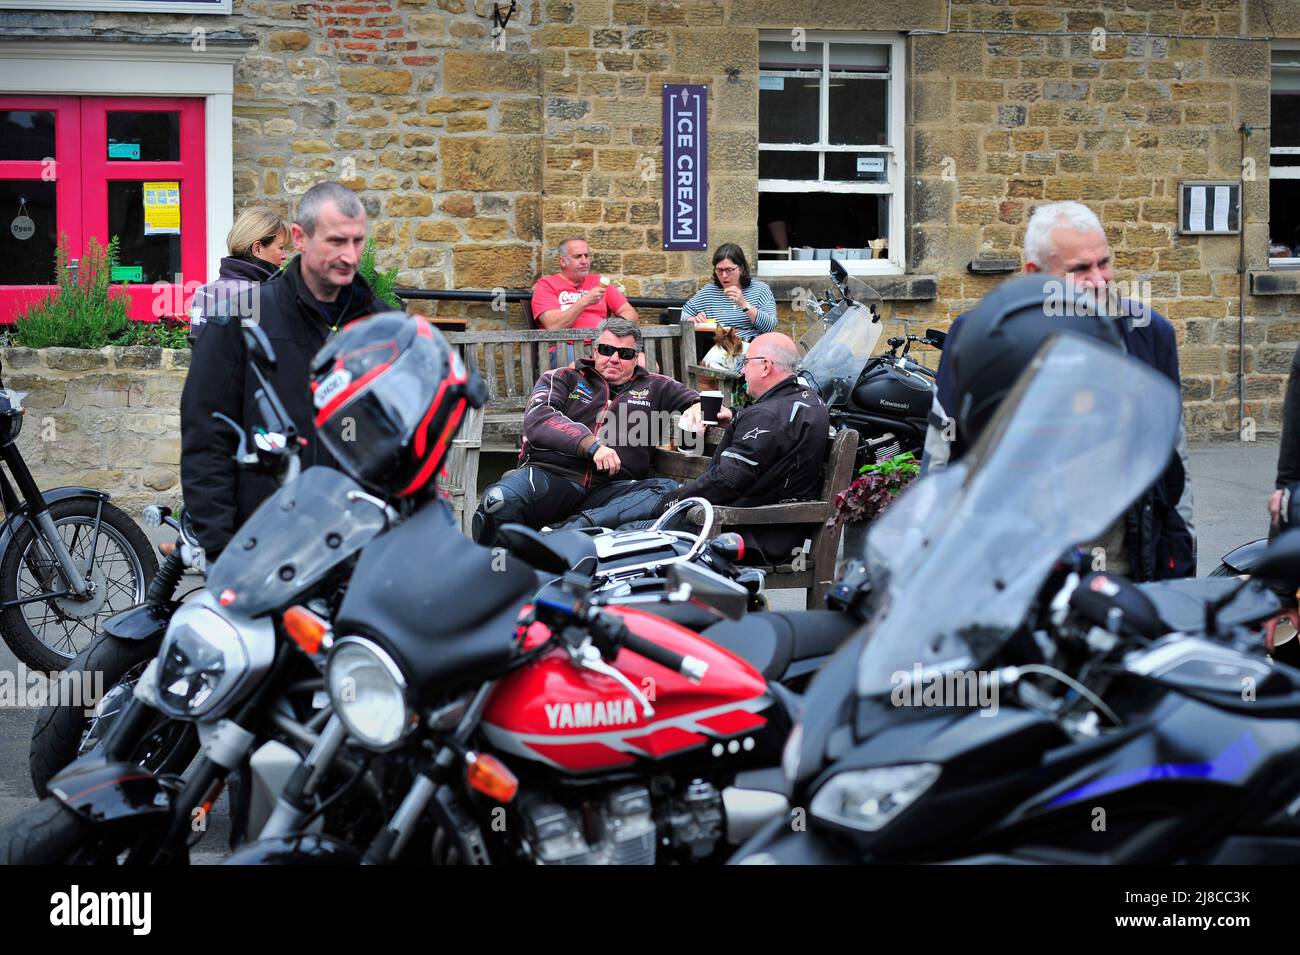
(1004, 331)
(390, 393)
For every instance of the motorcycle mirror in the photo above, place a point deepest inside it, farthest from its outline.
(713, 590)
(259, 346)
(839, 273)
(937, 338)
(555, 553)
(1281, 562)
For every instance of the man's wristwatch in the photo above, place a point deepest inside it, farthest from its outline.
(595, 446)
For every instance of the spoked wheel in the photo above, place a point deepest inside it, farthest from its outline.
(47, 634)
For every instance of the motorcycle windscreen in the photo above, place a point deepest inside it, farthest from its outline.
(847, 345)
(1084, 432)
(298, 534)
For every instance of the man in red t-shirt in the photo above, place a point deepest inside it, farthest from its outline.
(573, 297)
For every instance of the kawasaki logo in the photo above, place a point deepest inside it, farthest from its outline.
(581, 715)
(893, 404)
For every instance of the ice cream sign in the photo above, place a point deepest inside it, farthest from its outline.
(686, 160)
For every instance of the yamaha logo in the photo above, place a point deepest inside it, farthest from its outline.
(564, 716)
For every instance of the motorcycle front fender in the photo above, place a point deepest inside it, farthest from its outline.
(112, 792)
(13, 522)
(145, 622)
(303, 849)
(1243, 559)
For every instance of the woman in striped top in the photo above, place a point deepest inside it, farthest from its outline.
(733, 298)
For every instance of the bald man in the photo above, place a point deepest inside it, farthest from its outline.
(773, 451)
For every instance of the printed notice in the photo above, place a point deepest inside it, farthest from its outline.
(162, 208)
(1221, 208)
(1197, 219)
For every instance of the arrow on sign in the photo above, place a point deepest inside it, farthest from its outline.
(683, 96)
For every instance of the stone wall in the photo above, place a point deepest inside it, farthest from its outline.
(107, 419)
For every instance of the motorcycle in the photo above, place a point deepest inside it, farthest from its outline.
(997, 731)
(68, 558)
(224, 669)
(886, 398)
(566, 725)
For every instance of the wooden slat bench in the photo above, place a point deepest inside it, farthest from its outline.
(818, 571)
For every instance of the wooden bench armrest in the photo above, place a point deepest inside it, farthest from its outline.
(704, 371)
(798, 512)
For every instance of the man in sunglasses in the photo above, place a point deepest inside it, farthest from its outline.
(589, 433)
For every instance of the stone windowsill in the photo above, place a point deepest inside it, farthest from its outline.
(892, 288)
(1276, 281)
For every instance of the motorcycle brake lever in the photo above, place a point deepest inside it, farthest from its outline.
(587, 657)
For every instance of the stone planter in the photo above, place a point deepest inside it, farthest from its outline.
(106, 418)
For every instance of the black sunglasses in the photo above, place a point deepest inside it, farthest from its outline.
(627, 354)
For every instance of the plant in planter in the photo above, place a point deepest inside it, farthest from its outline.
(85, 312)
(875, 488)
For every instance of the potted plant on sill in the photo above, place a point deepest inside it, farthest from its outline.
(875, 488)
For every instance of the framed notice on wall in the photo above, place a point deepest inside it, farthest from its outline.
(686, 166)
(1209, 208)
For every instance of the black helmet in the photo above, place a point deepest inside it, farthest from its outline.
(1004, 331)
(390, 393)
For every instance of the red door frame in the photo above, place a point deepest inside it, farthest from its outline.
(66, 175)
(81, 169)
(149, 302)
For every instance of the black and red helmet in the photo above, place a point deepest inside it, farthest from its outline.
(390, 393)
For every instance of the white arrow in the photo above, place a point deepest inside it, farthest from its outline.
(683, 96)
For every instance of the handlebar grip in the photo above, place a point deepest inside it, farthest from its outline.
(690, 667)
(267, 410)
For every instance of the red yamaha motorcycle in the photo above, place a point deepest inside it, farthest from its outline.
(556, 728)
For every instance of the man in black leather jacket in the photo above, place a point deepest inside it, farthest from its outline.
(773, 451)
(318, 292)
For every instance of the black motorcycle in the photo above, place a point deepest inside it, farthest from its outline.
(1043, 717)
(68, 558)
(227, 669)
(886, 398)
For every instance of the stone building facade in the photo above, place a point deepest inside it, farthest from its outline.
(474, 153)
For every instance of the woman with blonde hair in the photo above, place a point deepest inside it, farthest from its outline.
(257, 245)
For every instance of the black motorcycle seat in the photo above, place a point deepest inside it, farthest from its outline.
(771, 641)
(443, 605)
(1181, 603)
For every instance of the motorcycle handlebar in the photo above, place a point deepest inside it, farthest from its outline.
(690, 667)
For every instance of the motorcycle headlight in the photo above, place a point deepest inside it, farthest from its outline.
(869, 799)
(12, 410)
(369, 693)
(202, 660)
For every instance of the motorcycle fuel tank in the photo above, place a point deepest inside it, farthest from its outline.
(886, 390)
(572, 719)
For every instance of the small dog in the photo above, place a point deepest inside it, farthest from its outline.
(728, 348)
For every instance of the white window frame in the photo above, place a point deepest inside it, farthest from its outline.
(1283, 172)
(222, 7)
(895, 157)
(105, 68)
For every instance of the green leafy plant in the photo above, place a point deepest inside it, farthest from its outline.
(874, 490)
(165, 333)
(87, 311)
(382, 283)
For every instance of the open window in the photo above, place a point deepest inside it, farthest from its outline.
(1284, 160)
(830, 163)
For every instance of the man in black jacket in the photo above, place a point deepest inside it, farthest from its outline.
(319, 291)
(773, 451)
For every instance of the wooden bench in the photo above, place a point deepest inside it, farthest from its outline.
(823, 543)
(511, 362)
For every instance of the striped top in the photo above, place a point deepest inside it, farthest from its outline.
(713, 302)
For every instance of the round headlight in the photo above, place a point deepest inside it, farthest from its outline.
(369, 693)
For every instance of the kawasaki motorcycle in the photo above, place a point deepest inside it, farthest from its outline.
(1013, 726)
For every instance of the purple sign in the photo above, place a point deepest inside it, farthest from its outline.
(686, 166)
